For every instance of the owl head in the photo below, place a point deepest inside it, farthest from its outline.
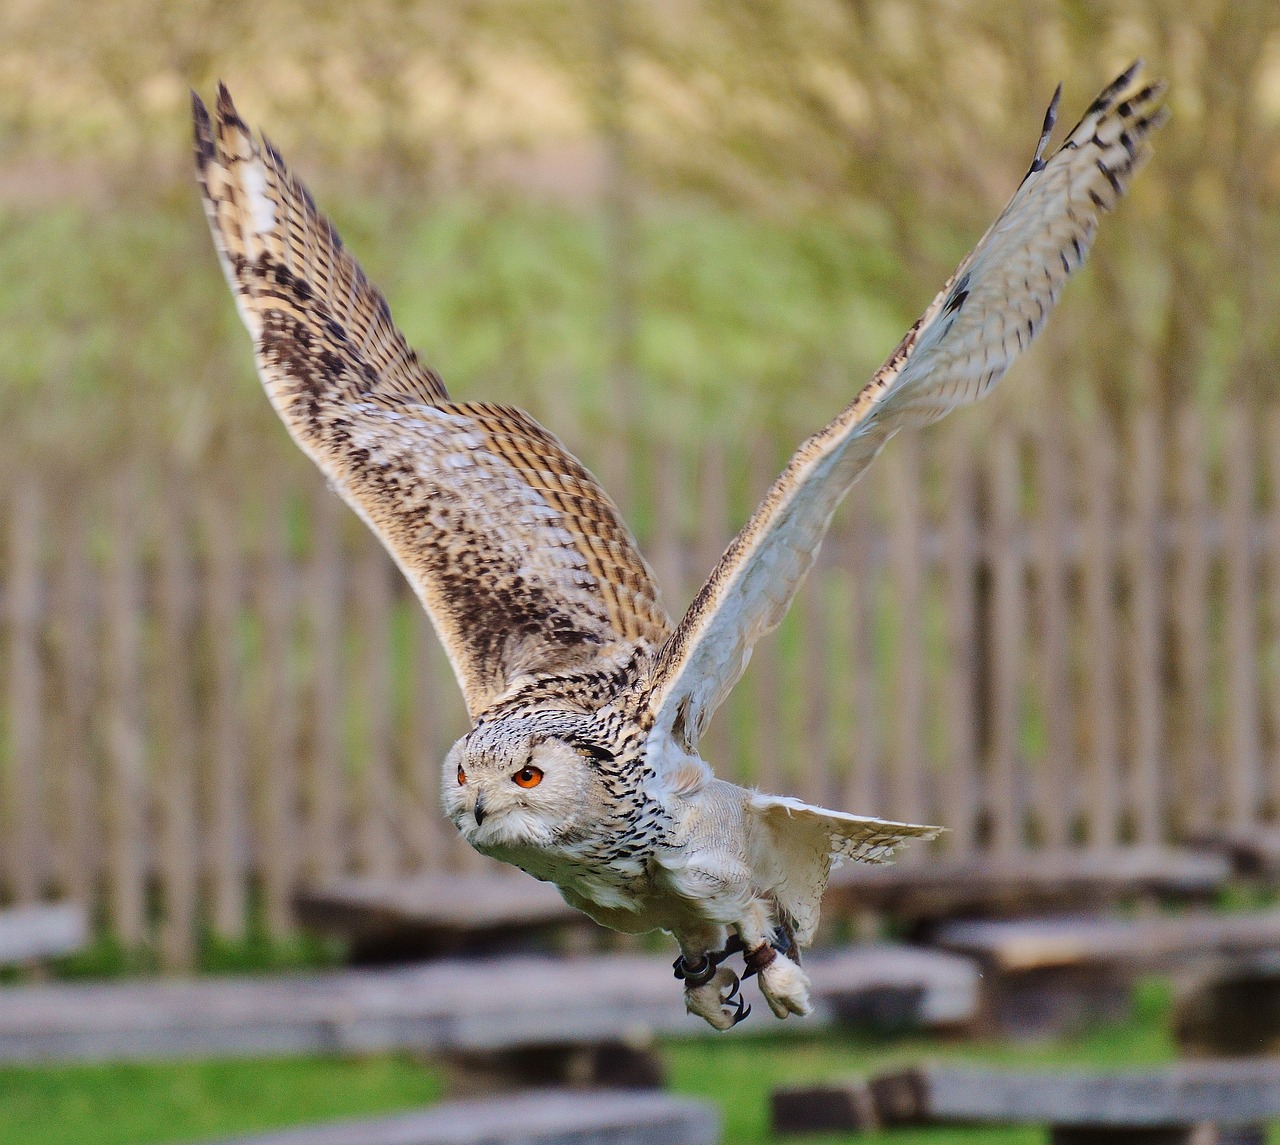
(522, 780)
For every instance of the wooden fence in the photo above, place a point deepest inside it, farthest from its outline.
(216, 690)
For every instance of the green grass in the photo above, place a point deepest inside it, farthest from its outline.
(191, 1101)
(149, 1104)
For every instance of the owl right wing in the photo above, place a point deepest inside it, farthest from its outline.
(517, 554)
(986, 314)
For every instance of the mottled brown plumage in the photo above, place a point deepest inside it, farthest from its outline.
(518, 555)
(582, 764)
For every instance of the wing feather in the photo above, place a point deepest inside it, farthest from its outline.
(794, 845)
(518, 555)
(986, 314)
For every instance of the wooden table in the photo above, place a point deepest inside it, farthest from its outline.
(1047, 975)
(43, 930)
(538, 1118)
(925, 892)
(438, 915)
(529, 1008)
(1213, 1101)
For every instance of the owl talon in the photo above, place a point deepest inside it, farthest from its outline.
(784, 986)
(714, 1000)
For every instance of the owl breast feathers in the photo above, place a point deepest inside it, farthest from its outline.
(586, 702)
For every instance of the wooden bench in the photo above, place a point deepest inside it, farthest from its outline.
(389, 920)
(501, 1006)
(1253, 852)
(1201, 1102)
(540, 1118)
(1046, 975)
(923, 893)
(29, 933)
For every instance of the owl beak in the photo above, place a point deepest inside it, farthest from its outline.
(478, 810)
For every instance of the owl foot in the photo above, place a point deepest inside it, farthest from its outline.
(716, 999)
(784, 985)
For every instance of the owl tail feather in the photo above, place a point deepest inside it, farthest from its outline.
(794, 846)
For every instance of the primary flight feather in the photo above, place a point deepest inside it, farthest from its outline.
(581, 764)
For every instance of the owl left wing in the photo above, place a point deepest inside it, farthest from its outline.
(984, 316)
(794, 845)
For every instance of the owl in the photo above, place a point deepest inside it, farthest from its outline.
(586, 701)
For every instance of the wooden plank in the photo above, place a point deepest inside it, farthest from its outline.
(1026, 944)
(226, 819)
(434, 903)
(446, 1006)
(1146, 587)
(326, 785)
(79, 843)
(1056, 790)
(376, 849)
(178, 835)
(1101, 616)
(279, 764)
(1245, 782)
(907, 793)
(1200, 790)
(1005, 780)
(986, 883)
(125, 787)
(27, 748)
(546, 1117)
(42, 930)
(960, 571)
(1181, 1094)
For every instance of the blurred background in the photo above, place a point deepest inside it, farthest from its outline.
(682, 233)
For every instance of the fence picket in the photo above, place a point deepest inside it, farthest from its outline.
(908, 785)
(26, 692)
(178, 838)
(277, 801)
(326, 787)
(125, 787)
(225, 809)
(376, 793)
(1190, 615)
(79, 838)
(1006, 781)
(1241, 628)
(1146, 586)
(959, 560)
(1101, 666)
(1057, 794)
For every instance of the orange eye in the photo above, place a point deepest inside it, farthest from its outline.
(529, 776)
(462, 776)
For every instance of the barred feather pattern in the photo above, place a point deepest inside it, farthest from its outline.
(985, 315)
(518, 555)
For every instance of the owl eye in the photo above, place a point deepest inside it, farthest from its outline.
(529, 776)
(462, 776)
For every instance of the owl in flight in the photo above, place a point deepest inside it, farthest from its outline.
(586, 702)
